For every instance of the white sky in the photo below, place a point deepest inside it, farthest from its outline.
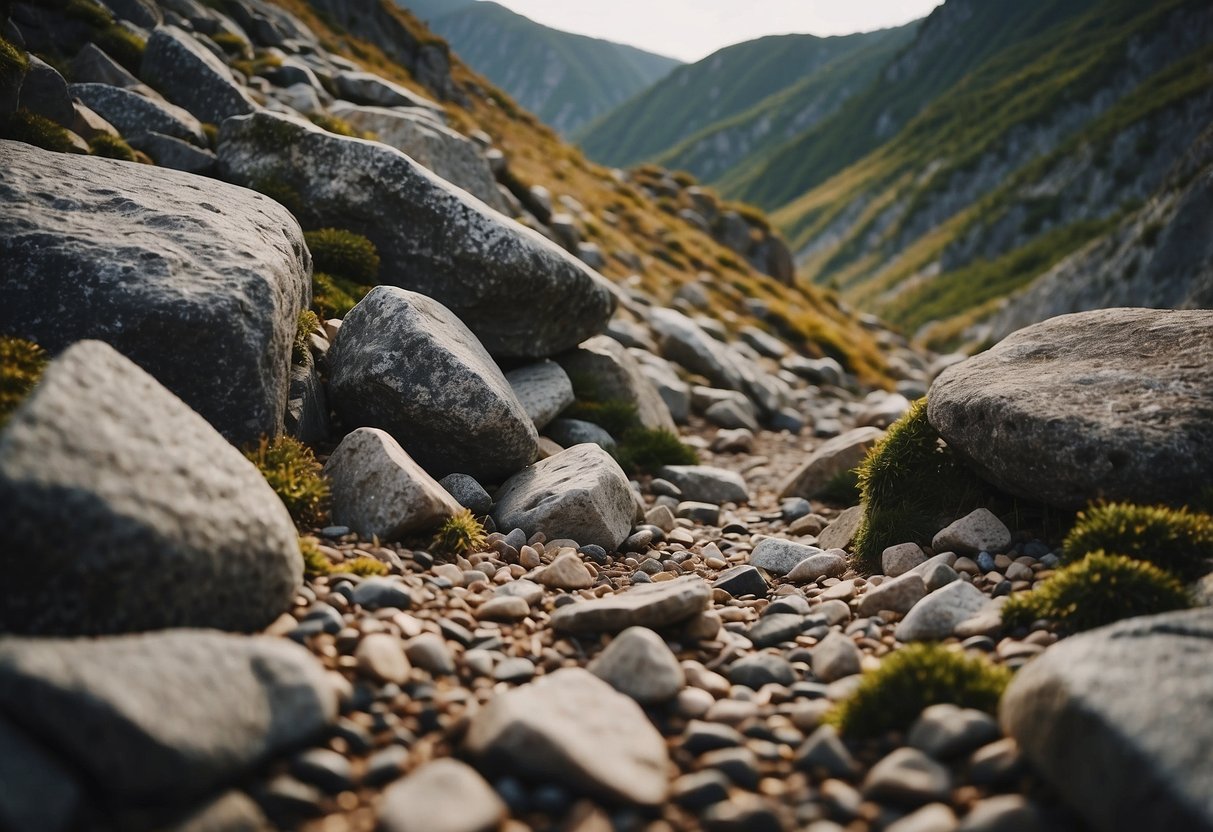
(692, 29)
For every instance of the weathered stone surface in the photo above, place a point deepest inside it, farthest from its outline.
(570, 432)
(188, 75)
(704, 483)
(126, 254)
(831, 564)
(836, 657)
(618, 376)
(683, 341)
(133, 114)
(640, 664)
(170, 525)
(977, 531)
(573, 728)
(835, 456)
(468, 493)
(580, 494)
(43, 91)
(170, 152)
(544, 390)
(896, 594)
(404, 363)
(521, 294)
(655, 606)
(936, 616)
(233, 703)
(1114, 404)
(779, 557)
(841, 531)
(899, 559)
(368, 88)
(1104, 715)
(378, 490)
(444, 795)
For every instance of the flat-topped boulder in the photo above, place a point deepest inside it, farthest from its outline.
(521, 294)
(128, 254)
(1115, 404)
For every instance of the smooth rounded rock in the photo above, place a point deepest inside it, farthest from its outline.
(640, 664)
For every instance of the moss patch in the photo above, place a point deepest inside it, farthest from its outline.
(21, 366)
(31, 128)
(343, 254)
(112, 147)
(292, 471)
(1177, 540)
(122, 45)
(460, 534)
(645, 450)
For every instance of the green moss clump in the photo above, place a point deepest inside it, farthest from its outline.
(614, 416)
(910, 483)
(646, 450)
(231, 43)
(278, 190)
(334, 297)
(363, 565)
(307, 324)
(842, 489)
(292, 471)
(31, 128)
(460, 534)
(13, 61)
(112, 147)
(913, 678)
(211, 131)
(1097, 590)
(344, 254)
(314, 561)
(21, 366)
(123, 45)
(1177, 540)
(340, 127)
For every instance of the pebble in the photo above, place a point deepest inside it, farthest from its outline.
(740, 581)
(661, 517)
(515, 670)
(381, 656)
(640, 664)
(824, 751)
(700, 789)
(760, 669)
(385, 765)
(568, 572)
(907, 776)
(776, 628)
(655, 606)
(841, 591)
(817, 566)
(835, 611)
(996, 764)
(505, 608)
(937, 615)
(444, 795)
(664, 488)
(934, 817)
(324, 768)
(701, 736)
(429, 652)
(898, 595)
(1003, 813)
(944, 731)
(379, 593)
(779, 557)
(977, 531)
(899, 559)
(836, 657)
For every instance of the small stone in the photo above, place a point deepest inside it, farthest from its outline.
(733, 441)
(836, 657)
(835, 612)
(661, 517)
(899, 559)
(444, 795)
(704, 483)
(939, 575)
(946, 730)
(503, 608)
(429, 652)
(978, 531)
(380, 593)
(840, 533)
(760, 669)
(385, 765)
(655, 606)
(898, 595)
(934, 817)
(1002, 813)
(515, 670)
(706, 513)
(640, 664)
(937, 615)
(995, 764)
(779, 557)
(908, 776)
(324, 768)
(468, 493)
(824, 751)
(776, 629)
(738, 764)
(567, 571)
(700, 789)
(742, 580)
(841, 591)
(381, 656)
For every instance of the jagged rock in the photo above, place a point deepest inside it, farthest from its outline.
(1096, 714)
(104, 705)
(841, 531)
(656, 606)
(404, 363)
(544, 390)
(832, 458)
(1114, 404)
(133, 114)
(520, 294)
(92, 66)
(170, 525)
(567, 572)
(617, 376)
(456, 159)
(570, 432)
(368, 88)
(640, 664)
(444, 795)
(572, 728)
(579, 494)
(704, 483)
(187, 74)
(43, 91)
(127, 254)
(685, 343)
(378, 490)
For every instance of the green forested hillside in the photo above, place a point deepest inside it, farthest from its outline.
(563, 78)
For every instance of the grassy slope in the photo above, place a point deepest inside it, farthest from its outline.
(673, 252)
(519, 55)
(691, 98)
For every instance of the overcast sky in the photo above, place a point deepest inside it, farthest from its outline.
(692, 29)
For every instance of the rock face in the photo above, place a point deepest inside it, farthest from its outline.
(191, 77)
(104, 705)
(580, 494)
(618, 376)
(1097, 715)
(127, 254)
(654, 606)
(835, 456)
(573, 728)
(403, 363)
(170, 525)
(521, 294)
(378, 490)
(1114, 404)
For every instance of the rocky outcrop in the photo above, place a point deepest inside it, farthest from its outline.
(171, 526)
(127, 254)
(181, 69)
(404, 363)
(519, 293)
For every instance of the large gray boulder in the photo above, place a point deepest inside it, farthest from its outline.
(404, 363)
(188, 75)
(451, 155)
(616, 375)
(580, 494)
(1115, 404)
(1117, 720)
(123, 510)
(521, 294)
(159, 720)
(133, 114)
(128, 254)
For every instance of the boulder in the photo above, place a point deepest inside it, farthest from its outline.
(127, 254)
(162, 719)
(685, 343)
(580, 494)
(133, 114)
(379, 491)
(570, 432)
(521, 294)
(1114, 404)
(616, 375)
(656, 606)
(572, 728)
(544, 390)
(403, 363)
(1115, 719)
(455, 158)
(704, 483)
(182, 70)
(368, 88)
(833, 457)
(137, 513)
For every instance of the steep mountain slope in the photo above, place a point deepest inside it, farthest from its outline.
(723, 85)
(565, 79)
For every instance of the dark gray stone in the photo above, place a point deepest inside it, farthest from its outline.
(570, 432)
(468, 493)
(93, 66)
(617, 376)
(703, 483)
(741, 580)
(134, 115)
(1113, 404)
(170, 525)
(43, 91)
(127, 254)
(404, 363)
(187, 74)
(169, 152)
(760, 669)
(307, 410)
(544, 390)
